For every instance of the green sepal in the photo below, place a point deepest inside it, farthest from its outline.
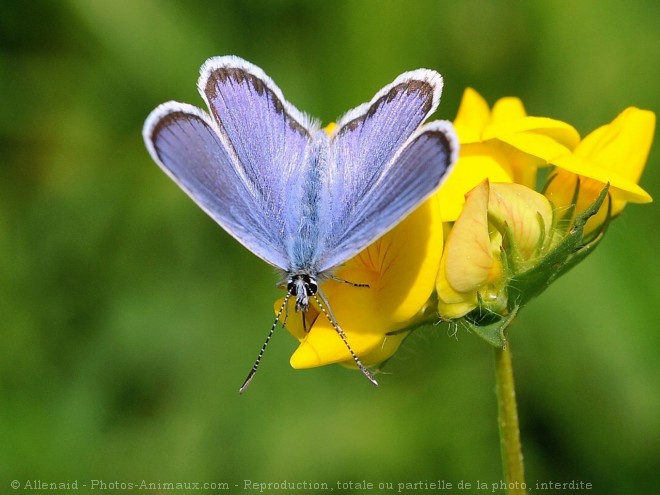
(571, 250)
(491, 327)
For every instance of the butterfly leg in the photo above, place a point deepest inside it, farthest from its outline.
(337, 279)
(304, 321)
(324, 306)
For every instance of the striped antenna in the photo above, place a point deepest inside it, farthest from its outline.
(253, 371)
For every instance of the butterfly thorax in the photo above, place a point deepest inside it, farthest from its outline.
(302, 286)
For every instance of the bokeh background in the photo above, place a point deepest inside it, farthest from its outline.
(128, 319)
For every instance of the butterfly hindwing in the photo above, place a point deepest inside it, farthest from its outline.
(415, 173)
(186, 145)
(271, 139)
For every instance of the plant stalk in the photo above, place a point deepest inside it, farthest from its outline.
(512, 458)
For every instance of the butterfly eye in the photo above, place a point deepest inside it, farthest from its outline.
(291, 286)
(311, 287)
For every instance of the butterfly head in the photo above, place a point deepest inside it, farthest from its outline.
(303, 286)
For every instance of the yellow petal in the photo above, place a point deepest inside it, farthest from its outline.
(529, 142)
(384, 351)
(560, 191)
(476, 162)
(472, 117)
(330, 128)
(468, 265)
(408, 258)
(452, 311)
(545, 144)
(623, 145)
(524, 166)
(561, 132)
(471, 268)
(293, 321)
(468, 255)
(508, 109)
(623, 188)
(323, 346)
(453, 304)
(542, 147)
(400, 267)
(356, 311)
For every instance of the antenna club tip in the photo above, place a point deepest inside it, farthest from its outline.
(246, 382)
(369, 377)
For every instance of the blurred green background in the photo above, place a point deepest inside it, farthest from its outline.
(128, 319)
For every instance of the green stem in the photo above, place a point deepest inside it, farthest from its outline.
(512, 458)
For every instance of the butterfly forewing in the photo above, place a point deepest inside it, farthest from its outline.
(271, 139)
(184, 142)
(364, 167)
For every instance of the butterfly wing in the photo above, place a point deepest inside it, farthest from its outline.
(237, 163)
(383, 164)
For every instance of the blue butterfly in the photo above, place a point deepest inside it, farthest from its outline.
(302, 199)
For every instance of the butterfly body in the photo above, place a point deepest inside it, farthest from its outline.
(303, 199)
(308, 213)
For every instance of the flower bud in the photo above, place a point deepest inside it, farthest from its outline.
(504, 230)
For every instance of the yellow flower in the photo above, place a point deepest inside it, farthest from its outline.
(400, 269)
(503, 230)
(502, 145)
(506, 244)
(615, 153)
